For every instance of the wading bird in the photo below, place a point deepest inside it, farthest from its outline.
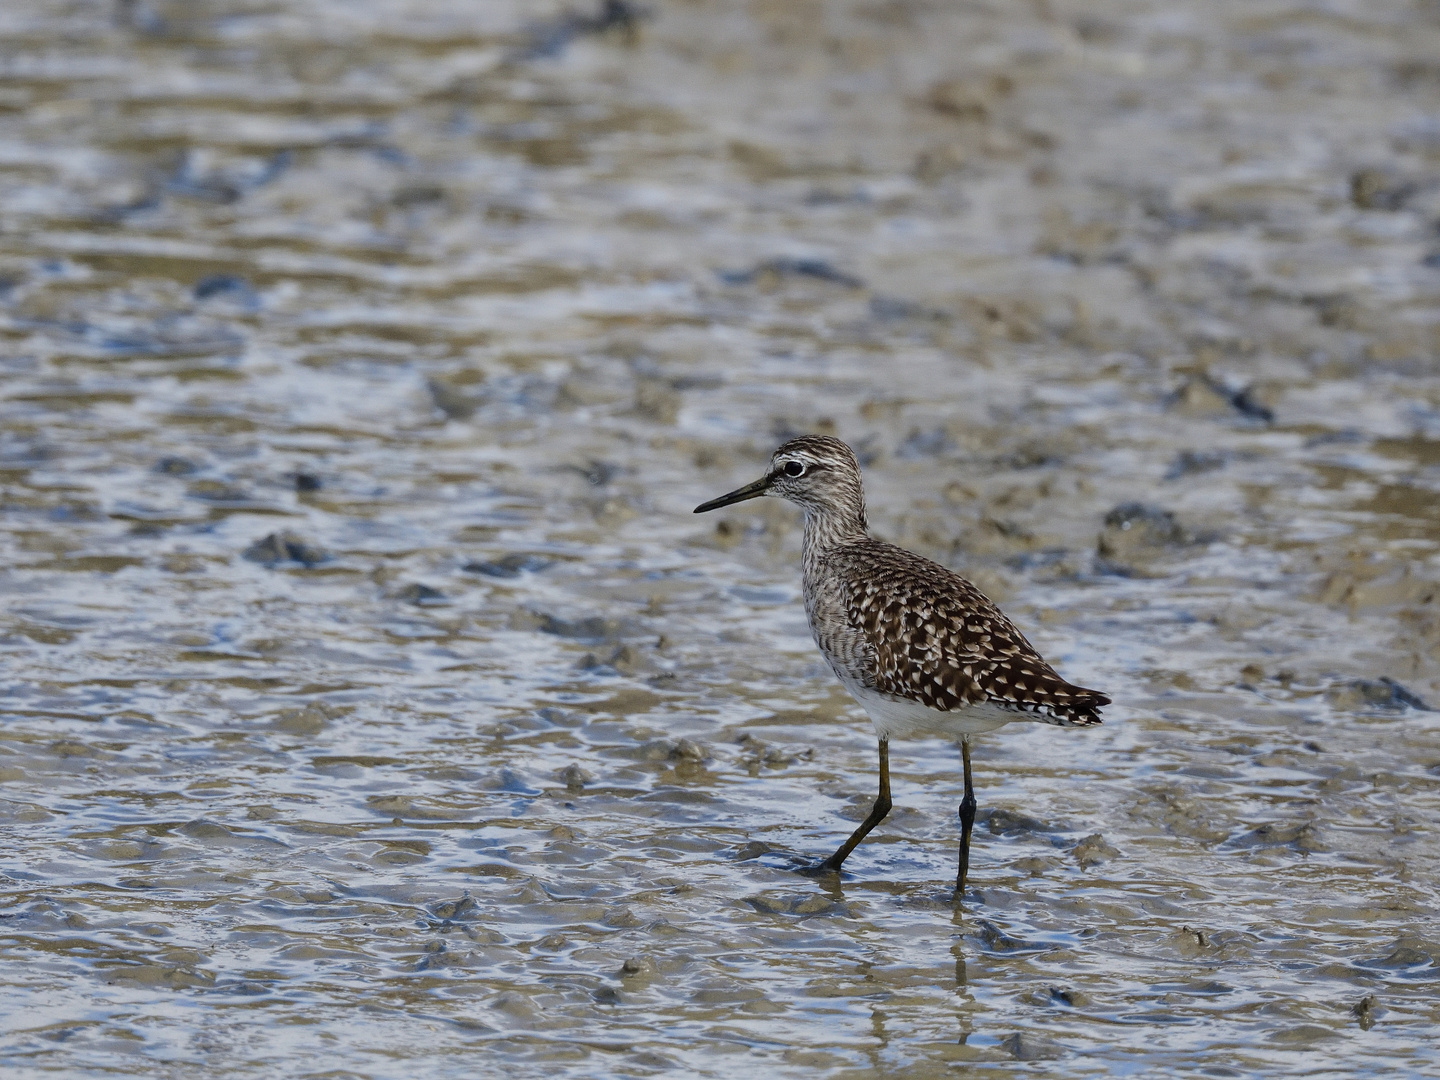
(919, 647)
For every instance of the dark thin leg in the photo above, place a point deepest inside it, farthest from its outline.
(877, 815)
(967, 819)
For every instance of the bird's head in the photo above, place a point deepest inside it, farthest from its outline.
(814, 471)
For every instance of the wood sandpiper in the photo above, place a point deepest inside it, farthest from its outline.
(919, 647)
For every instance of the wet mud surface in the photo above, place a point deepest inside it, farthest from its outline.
(373, 704)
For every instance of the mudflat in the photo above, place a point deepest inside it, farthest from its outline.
(373, 703)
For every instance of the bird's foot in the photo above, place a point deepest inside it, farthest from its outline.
(817, 870)
(972, 898)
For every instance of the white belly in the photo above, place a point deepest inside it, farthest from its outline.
(902, 718)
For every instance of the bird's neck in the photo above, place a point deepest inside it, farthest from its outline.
(829, 528)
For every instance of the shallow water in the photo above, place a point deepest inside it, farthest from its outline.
(492, 755)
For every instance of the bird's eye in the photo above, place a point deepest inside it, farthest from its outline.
(794, 468)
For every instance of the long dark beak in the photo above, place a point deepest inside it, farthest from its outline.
(749, 491)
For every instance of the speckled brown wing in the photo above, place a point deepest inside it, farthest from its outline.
(938, 640)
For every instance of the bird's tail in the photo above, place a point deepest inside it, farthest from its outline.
(1084, 707)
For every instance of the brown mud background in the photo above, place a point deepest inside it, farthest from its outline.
(373, 704)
